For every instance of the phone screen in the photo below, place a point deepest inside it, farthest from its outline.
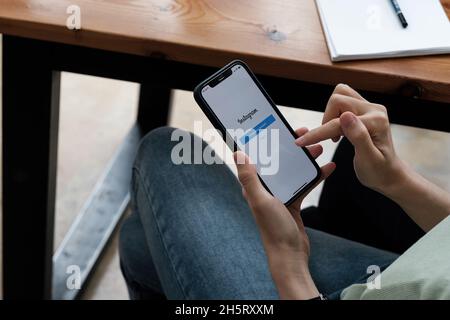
(257, 129)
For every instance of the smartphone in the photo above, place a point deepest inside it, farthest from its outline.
(239, 107)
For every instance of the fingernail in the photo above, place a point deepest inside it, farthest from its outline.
(348, 120)
(239, 158)
(300, 141)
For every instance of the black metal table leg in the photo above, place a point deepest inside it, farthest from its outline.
(154, 106)
(30, 131)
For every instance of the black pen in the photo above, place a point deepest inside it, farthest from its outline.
(399, 13)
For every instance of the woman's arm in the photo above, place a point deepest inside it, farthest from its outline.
(282, 231)
(366, 126)
(423, 201)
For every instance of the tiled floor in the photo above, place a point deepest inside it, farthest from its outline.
(95, 115)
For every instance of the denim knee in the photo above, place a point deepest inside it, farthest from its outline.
(155, 146)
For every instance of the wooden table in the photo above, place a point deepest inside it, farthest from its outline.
(164, 45)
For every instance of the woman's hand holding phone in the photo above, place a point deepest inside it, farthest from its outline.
(281, 228)
(366, 126)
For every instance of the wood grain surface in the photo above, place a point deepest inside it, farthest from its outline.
(276, 37)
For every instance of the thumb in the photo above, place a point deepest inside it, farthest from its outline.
(356, 132)
(248, 177)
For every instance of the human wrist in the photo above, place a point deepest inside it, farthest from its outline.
(298, 286)
(401, 177)
(292, 278)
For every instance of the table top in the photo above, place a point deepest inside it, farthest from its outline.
(279, 38)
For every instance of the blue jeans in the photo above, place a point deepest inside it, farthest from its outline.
(191, 235)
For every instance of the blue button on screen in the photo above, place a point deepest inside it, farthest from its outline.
(255, 131)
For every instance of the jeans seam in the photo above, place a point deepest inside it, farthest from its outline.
(147, 196)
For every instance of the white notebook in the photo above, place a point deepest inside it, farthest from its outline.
(369, 29)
